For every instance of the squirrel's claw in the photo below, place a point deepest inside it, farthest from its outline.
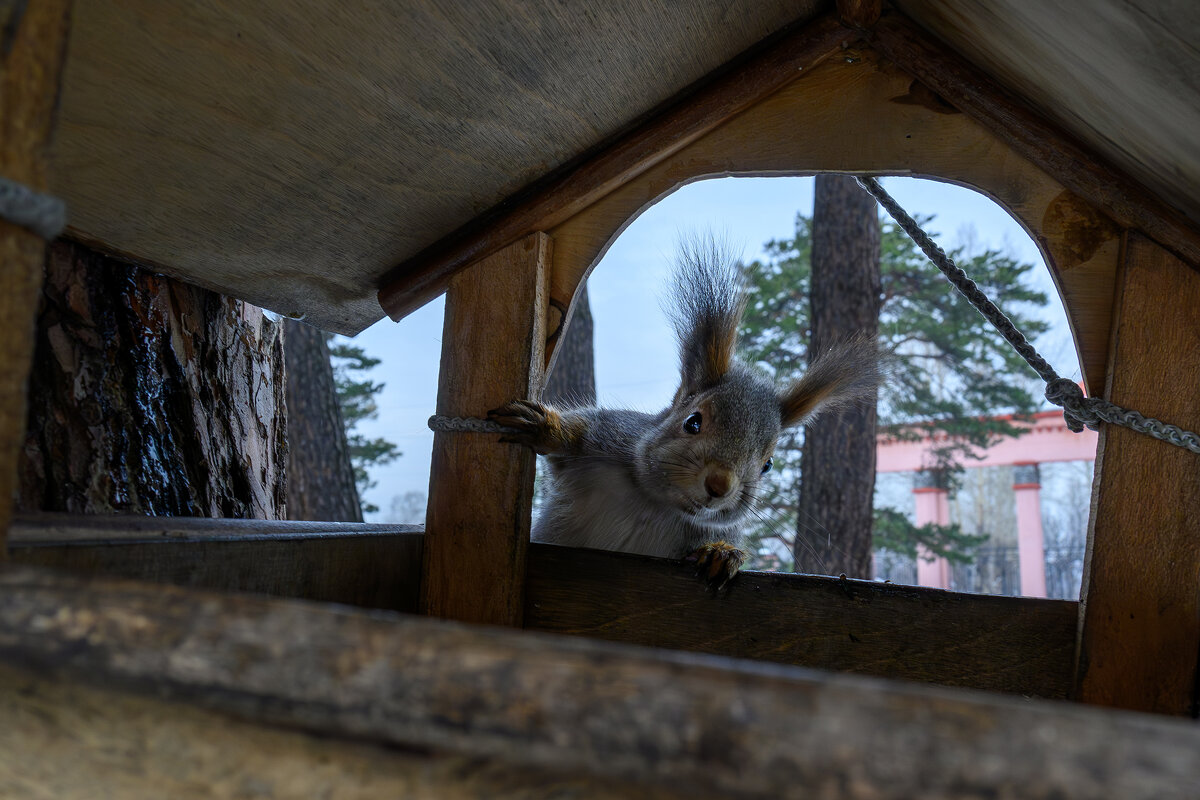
(717, 562)
(533, 424)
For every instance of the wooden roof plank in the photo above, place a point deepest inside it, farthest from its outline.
(291, 153)
(424, 276)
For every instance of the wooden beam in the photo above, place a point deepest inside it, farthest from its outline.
(33, 41)
(374, 566)
(969, 90)
(481, 491)
(1008, 644)
(423, 277)
(691, 723)
(74, 742)
(1140, 616)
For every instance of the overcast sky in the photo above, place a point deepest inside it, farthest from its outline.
(636, 363)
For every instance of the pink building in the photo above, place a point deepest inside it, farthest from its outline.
(1047, 440)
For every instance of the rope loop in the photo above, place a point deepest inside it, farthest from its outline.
(1077, 412)
(443, 424)
(44, 215)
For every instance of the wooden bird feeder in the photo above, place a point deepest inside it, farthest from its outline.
(345, 162)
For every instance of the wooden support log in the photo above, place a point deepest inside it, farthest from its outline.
(481, 491)
(969, 90)
(426, 275)
(33, 41)
(144, 748)
(1140, 615)
(374, 566)
(690, 723)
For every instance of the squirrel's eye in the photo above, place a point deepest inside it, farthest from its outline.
(767, 466)
(692, 423)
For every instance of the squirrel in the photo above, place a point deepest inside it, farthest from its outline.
(681, 483)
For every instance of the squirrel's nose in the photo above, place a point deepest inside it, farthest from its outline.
(716, 483)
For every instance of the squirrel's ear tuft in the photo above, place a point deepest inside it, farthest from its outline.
(846, 373)
(706, 308)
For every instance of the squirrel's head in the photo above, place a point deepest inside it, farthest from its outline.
(711, 447)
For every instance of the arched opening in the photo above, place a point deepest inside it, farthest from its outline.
(636, 367)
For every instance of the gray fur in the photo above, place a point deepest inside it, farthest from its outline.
(639, 482)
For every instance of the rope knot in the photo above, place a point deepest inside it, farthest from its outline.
(1077, 411)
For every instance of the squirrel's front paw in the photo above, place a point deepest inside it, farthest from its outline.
(717, 562)
(533, 425)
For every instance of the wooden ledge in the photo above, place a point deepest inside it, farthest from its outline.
(1018, 645)
(1010, 644)
(52, 529)
(374, 566)
(662, 719)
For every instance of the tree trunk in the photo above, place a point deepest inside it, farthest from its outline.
(320, 476)
(150, 396)
(837, 464)
(573, 380)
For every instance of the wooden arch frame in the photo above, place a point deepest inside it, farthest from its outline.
(859, 113)
(840, 99)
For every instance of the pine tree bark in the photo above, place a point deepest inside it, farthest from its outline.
(573, 379)
(320, 476)
(150, 396)
(837, 463)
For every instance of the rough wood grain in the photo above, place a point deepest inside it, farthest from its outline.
(1078, 168)
(481, 491)
(151, 396)
(67, 741)
(691, 723)
(32, 43)
(1140, 623)
(424, 276)
(320, 480)
(1006, 644)
(373, 566)
(863, 114)
(837, 458)
(291, 153)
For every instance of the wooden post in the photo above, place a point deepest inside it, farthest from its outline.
(481, 491)
(32, 45)
(1140, 616)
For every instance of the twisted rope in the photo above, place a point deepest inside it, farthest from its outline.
(44, 215)
(444, 424)
(1078, 410)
